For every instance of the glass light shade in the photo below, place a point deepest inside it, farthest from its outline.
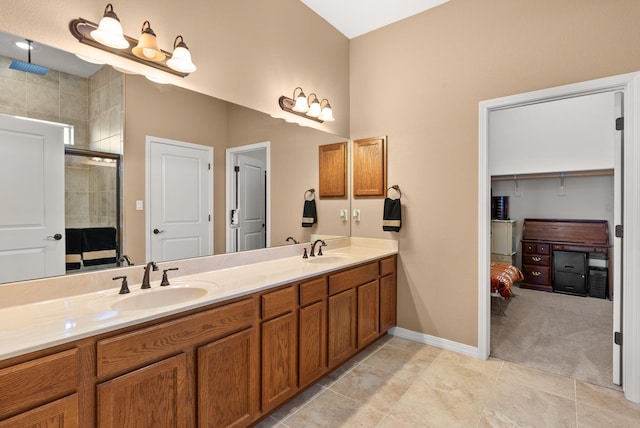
(147, 47)
(327, 114)
(314, 110)
(301, 103)
(109, 32)
(181, 60)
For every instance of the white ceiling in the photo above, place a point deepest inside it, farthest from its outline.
(356, 17)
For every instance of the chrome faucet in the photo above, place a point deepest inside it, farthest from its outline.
(313, 247)
(145, 278)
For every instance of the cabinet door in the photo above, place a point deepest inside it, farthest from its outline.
(279, 352)
(227, 381)
(368, 313)
(342, 326)
(61, 413)
(153, 396)
(312, 344)
(387, 302)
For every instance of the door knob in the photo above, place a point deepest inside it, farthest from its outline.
(157, 232)
(57, 237)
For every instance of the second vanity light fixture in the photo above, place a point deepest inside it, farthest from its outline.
(109, 36)
(310, 107)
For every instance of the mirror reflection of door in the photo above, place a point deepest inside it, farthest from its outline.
(179, 200)
(32, 195)
(247, 227)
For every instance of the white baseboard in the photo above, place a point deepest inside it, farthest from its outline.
(438, 342)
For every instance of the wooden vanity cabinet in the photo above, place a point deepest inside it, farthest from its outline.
(312, 331)
(279, 347)
(161, 370)
(228, 364)
(41, 392)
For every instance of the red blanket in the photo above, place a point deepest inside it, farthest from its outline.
(503, 275)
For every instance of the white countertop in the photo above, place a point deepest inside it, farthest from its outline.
(41, 324)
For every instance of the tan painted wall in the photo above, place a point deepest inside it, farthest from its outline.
(419, 82)
(177, 114)
(249, 52)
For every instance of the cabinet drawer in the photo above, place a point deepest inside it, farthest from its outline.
(387, 266)
(278, 302)
(312, 291)
(134, 349)
(352, 278)
(535, 259)
(543, 249)
(536, 275)
(534, 248)
(24, 385)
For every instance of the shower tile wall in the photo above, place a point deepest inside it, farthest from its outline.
(56, 96)
(106, 110)
(90, 193)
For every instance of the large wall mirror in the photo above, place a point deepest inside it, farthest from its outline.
(115, 117)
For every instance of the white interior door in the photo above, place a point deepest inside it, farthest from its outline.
(617, 243)
(179, 200)
(32, 194)
(251, 203)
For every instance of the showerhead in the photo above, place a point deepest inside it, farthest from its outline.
(28, 66)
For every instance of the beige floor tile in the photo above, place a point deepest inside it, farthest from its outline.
(420, 351)
(334, 410)
(269, 423)
(606, 399)
(374, 387)
(448, 360)
(518, 405)
(537, 379)
(391, 359)
(441, 403)
(298, 402)
(589, 416)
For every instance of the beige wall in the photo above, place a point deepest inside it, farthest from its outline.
(419, 82)
(166, 111)
(294, 169)
(248, 52)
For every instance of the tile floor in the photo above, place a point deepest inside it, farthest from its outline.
(398, 383)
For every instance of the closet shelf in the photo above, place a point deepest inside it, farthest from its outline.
(592, 173)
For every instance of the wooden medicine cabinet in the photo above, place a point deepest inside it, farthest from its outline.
(333, 170)
(370, 167)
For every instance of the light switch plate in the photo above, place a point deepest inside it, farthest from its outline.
(344, 216)
(356, 215)
(139, 205)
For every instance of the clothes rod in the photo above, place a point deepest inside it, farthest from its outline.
(593, 173)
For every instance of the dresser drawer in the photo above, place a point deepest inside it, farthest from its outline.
(535, 259)
(534, 248)
(536, 275)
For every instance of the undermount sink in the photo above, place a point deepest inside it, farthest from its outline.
(156, 298)
(332, 258)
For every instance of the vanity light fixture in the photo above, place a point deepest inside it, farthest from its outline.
(109, 37)
(181, 58)
(309, 107)
(109, 31)
(147, 48)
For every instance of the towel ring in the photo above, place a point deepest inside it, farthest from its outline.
(312, 192)
(396, 188)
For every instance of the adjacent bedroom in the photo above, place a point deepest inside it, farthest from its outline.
(555, 203)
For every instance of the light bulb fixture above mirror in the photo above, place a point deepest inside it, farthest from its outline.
(309, 107)
(109, 37)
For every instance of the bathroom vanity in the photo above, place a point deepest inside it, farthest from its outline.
(228, 361)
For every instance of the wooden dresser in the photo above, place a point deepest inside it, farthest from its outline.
(541, 237)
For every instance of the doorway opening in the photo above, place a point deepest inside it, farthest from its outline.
(629, 303)
(248, 196)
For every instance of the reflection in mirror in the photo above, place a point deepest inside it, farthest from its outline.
(92, 101)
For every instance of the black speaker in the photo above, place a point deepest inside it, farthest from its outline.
(500, 207)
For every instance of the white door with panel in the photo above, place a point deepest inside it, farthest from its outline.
(250, 194)
(32, 199)
(179, 200)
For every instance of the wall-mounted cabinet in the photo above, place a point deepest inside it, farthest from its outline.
(332, 168)
(370, 167)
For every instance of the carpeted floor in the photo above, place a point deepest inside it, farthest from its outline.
(558, 333)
